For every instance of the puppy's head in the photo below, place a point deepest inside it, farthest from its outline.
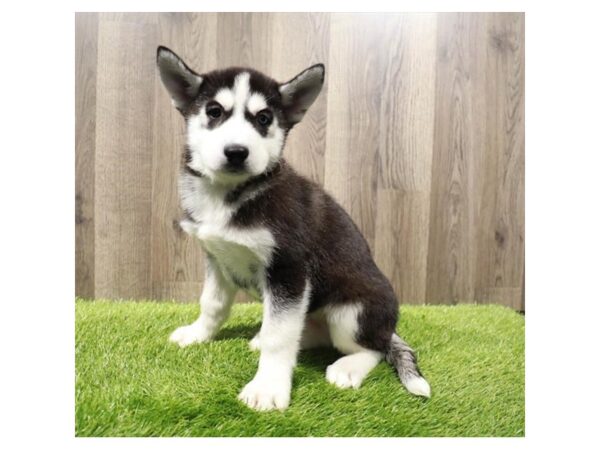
(237, 119)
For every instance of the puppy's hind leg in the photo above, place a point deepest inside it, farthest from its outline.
(351, 370)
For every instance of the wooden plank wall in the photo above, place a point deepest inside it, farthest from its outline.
(418, 133)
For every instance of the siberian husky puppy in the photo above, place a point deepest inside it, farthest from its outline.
(269, 231)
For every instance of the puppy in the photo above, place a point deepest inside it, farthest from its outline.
(278, 236)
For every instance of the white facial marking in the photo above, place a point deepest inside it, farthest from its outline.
(207, 145)
(256, 103)
(241, 89)
(225, 98)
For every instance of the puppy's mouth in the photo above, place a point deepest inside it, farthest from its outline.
(233, 173)
(235, 168)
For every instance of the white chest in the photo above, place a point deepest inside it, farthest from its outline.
(239, 264)
(240, 254)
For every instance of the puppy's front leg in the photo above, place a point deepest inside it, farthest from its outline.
(283, 320)
(215, 304)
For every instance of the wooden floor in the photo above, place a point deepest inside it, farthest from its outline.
(418, 133)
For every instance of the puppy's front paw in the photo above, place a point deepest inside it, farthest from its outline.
(266, 395)
(190, 334)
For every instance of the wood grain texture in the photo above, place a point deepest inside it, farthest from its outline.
(457, 148)
(405, 151)
(86, 52)
(353, 117)
(307, 36)
(418, 133)
(244, 40)
(177, 261)
(123, 182)
(501, 255)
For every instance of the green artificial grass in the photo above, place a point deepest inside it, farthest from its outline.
(130, 381)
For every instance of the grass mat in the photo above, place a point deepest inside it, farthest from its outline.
(130, 381)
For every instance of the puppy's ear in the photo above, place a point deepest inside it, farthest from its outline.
(301, 91)
(182, 82)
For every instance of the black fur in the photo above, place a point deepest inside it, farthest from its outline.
(317, 239)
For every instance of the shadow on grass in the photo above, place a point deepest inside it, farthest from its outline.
(315, 358)
(318, 358)
(239, 331)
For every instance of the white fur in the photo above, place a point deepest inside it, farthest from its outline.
(212, 215)
(351, 370)
(241, 91)
(343, 326)
(279, 344)
(241, 255)
(254, 343)
(314, 334)
(418, 386)
(203, 201)
(225, 98)
(256, 103)
(207, 146)
(215, 304)
(234, 251)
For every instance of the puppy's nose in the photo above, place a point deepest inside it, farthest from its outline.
(236, 155)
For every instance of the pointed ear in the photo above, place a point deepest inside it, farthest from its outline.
(181, 81)
(300, 92)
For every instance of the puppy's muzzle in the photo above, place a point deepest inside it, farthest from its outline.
(236, 157)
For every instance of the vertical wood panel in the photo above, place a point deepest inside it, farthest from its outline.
(353, 105)
(501, 256)
(400, 251)
(177, 265)
(299, 41)
(86, 53)
(406, 143)
(419, 134)
(123, 182)
(244, 40)
(458, 145)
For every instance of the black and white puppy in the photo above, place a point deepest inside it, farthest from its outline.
(269, 231)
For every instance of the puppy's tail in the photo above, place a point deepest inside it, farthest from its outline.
(403, 359)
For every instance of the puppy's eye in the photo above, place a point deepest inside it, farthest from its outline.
(214, 110)
(264, 118)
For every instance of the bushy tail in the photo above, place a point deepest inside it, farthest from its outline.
(403, 358)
